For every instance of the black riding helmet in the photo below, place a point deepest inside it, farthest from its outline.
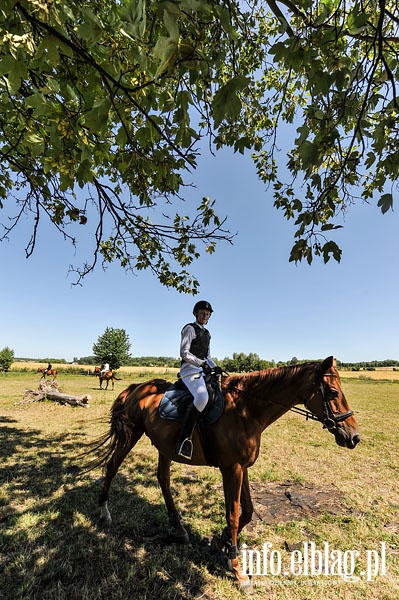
(202, 305)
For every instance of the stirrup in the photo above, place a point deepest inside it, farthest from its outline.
(186, 449)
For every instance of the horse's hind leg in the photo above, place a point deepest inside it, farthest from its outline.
(122, 449)
(163, 475)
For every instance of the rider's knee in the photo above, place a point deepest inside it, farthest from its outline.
(201, 400)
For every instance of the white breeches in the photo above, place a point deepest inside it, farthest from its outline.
(197, 386)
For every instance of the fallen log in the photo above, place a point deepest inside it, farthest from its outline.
(51, 394)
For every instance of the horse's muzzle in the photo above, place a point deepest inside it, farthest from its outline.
(345, 438)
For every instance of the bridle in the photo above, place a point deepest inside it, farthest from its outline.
(329, 419)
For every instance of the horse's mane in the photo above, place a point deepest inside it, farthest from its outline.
(272, 376)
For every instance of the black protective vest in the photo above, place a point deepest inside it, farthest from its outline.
(200, 344)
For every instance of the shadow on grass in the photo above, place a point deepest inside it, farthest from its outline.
(51, 544)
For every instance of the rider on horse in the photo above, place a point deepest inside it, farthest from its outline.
(196, 362)
(49, 367)
(104, 369)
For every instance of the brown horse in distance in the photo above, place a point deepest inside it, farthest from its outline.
(252, 402)
(107, 376)
(52, 372)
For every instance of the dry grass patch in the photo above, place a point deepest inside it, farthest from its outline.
(385, 373)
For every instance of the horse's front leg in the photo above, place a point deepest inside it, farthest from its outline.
(247, 507)
(163, 475)
(232, 484)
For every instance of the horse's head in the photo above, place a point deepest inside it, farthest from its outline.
(328, 404)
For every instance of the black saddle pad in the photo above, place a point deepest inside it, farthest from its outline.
(175, 401)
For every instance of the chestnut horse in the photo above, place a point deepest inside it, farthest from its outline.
(252, 402)
(52, 372)
(107, 376)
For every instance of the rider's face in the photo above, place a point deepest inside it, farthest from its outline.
(203, 316)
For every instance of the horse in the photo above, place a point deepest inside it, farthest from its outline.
(107, 376)
(52, 372)
(253, 401)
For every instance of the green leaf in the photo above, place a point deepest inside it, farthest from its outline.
(166, 50)
(38, 102)
(170, 21)
(329, 226)
(35, 143)
(331, 248)
(96, 119)
(370, 159)
(298, 250)
(134, 13)
(385, 203)
(309, 153)
(226, 102)
(7, 64)
(357, 19)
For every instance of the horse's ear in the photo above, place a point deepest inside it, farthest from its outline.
(327, 364)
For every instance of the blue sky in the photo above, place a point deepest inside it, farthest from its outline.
(262, 303)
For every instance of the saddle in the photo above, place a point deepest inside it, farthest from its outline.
(177, 398)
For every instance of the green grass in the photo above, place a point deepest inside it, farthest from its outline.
(52, 547)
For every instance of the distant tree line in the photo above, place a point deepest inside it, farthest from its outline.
(136, 361)
(242, 363)
(368, 365)
(238, 363)
(60, 361)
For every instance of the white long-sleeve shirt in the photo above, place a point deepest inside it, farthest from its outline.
(192, 363)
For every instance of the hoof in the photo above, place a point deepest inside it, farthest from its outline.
(245, 585)
(182, 539)
(216, 545)
(105, 516)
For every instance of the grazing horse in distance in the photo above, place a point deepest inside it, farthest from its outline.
(46, 372)
(106, 376)
(252, 402)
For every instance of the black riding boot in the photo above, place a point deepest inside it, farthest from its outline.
(185, 444)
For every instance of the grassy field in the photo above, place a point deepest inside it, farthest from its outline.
(385, 373)
(52, 547)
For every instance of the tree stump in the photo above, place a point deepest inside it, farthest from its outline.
(50, 391)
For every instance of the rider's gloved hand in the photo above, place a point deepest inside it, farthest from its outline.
(217, 370)
(206, 368)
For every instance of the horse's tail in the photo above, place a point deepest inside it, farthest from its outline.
(117, 378)
(118, 431)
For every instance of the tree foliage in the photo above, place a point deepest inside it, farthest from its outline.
(6, 358)
(243, 363)
(103, 106)
(112, 347)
